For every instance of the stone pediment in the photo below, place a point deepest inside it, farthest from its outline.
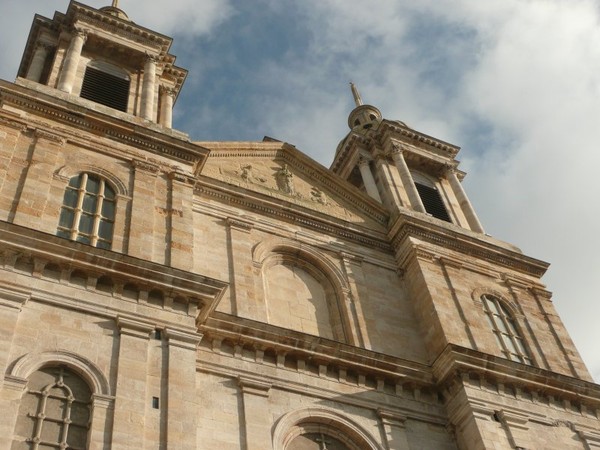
(280, 171)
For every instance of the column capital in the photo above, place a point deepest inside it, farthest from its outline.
(149, 57)
(166, 90)
(144, 166)
(256, 387)
(134, 327)
(183, 339)
(80, 33)
(363, 161)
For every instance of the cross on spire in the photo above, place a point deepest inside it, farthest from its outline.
(357, 100)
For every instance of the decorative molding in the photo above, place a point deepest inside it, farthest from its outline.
(297, 217)
(30, 362)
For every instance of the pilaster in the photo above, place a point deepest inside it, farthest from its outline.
(182, 416)
(257, 420)
(180, 222)
(37, 181)
(394, 429)
(141, 236)
(131, 391)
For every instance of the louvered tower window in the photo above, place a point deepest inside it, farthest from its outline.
(505, 330)
(106, 84)
(88, 211)
(431, 198)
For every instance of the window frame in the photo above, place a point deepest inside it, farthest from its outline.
(506, 330)
(73, 210)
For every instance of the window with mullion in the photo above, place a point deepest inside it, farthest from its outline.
(505, 329)
(88, 211)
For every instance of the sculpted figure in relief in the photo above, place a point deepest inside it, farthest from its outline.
(317, 195)
(285, 180)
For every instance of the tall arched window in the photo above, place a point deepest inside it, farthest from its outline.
(431, 198)
(88, 211)
(505, 329)
(54, 411)
(106, 84)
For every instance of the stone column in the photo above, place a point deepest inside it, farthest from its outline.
(257, 418)
(394, 429)
(131, 392)
(407, 181)
(167, 96)
(516, 427)
(182, 406)
(38, 61)
(368, 179)
(69, 70)
(463, 201)
(180, 227)
(148, 87)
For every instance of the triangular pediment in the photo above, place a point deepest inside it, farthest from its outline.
(282, 172)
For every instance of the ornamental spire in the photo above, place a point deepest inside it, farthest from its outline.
(115, 3)
(357, 100)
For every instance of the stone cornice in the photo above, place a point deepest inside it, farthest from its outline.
(460, 361)
(420, 139)
(289, 212)
(121, 127)
(201, 293)
(250, 333)
(456, 239)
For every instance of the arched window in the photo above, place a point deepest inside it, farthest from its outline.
(54, 411)
(88, 211)
(505, 329)
(431, 198)
(106, 84)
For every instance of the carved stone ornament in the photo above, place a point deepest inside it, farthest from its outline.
(285, 180)
(248, 175)
(318, 196)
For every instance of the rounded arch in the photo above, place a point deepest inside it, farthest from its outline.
(329, 421)
(478, 293)
(30, 362)
(423, 179)
(67, 172)
(272, 250)
(109, 68)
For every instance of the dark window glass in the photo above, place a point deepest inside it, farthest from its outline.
(432, 201)
(105, 88)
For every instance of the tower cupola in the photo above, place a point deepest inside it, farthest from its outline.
(363, 116)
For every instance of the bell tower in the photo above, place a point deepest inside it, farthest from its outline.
(406, 170)
(102, 57)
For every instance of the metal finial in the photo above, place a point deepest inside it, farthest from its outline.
(355, 94)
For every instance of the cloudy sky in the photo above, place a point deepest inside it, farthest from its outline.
(515, 83)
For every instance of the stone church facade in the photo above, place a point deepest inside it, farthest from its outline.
(159, 293)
